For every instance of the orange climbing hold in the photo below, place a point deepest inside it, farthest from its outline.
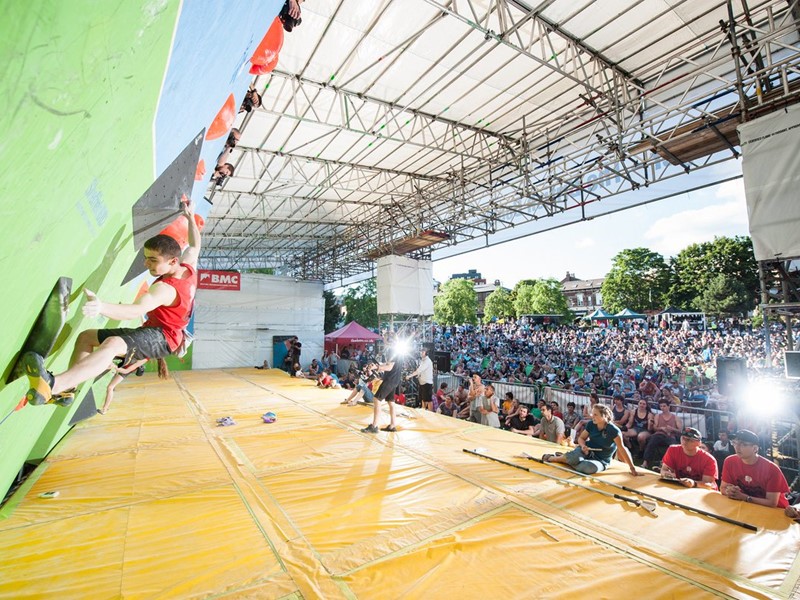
(265, 58)
(179, 229)
(223, 121)
(200, 171)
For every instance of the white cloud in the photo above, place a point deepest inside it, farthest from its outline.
(586, 242)
(672, 234)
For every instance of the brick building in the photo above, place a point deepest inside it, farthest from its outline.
(583, 295)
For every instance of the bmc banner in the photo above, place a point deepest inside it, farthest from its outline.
(219, 280)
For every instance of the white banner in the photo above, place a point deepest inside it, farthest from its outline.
(771, 168)
(405, 286)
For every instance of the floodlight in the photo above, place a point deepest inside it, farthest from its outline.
(764, 398)
(402, 346)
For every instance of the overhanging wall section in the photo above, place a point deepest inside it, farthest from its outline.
(235, 328)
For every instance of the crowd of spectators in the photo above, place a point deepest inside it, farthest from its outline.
(656, 362)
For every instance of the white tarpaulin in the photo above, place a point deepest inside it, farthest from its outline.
(771, 167)
(235, 328)
(405, 286)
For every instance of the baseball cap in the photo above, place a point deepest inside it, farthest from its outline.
(691, 433)
(746, 436)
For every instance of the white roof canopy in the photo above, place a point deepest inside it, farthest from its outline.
(472, 117)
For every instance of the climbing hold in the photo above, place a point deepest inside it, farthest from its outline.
(223, 121)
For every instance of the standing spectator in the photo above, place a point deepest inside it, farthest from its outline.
(488, 408)
(424, 374)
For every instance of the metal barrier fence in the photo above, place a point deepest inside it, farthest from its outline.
(524, 393)
(706, 420)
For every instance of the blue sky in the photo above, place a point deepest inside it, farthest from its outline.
(587, 248)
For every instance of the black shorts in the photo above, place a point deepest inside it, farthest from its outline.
(388, 389)
(142, 342)
(425, 392)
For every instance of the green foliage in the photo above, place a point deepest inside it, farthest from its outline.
(332, 311)
(498, 304)
(540, 297)
(456, 303)
(264, 271)
(698, 264)
(362, 304)
(639, 279)
(724, 297)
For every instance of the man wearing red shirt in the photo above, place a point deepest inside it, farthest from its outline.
(167, 304)
(748, 477)
(688, 463)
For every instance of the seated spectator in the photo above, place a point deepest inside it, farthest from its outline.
(640, 426)
(363, 390)
(441, 394)
(556, 410)
(448, 407)
(622, 415)
(572, 418)
(666, 428)
(522, 422)
(400, 396)
(687, 462)
(536, 411)
(723, 448)
(507, 406)
(648, 389)
(514, 411)
(551, 428)
(597, 445)
(298, 371)
(313, 368)
(748, 477)
(327, 381)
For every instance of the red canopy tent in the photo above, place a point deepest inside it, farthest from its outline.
(351, 334)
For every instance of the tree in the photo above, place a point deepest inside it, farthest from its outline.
(498, 304)
(542, 297)
(456, 303)
(724, 297)
(698, 264)
(639, 279)
(333, 311)
(361, 302)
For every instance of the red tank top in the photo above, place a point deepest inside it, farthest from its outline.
(173, 319)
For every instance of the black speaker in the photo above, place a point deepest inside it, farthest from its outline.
(791, 361)
(731, 374)
(442, 362)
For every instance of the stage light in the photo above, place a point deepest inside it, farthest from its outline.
(402, 346)
(764, 398)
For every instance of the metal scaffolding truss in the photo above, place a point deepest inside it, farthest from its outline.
(475, 117)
